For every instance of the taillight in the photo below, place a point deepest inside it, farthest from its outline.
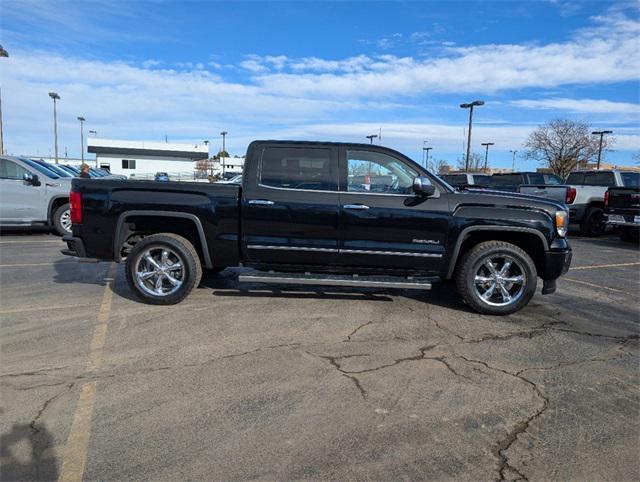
(571, 195)
(606, 199)
(75, 203)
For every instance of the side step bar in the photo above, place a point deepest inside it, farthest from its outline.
(338, 280)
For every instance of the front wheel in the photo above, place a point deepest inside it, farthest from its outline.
(496, 278)
(162, 269)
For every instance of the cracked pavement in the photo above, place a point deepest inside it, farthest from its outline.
(271, 382)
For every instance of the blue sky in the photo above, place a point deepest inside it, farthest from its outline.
(320, 70)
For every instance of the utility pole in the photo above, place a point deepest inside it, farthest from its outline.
(82, 119)
(371, 137)
(55, 98)
(3, 53)
(426, 150)
(486, 154)
(470, 106)
(224, 150)
(601, 134)
(513, 160)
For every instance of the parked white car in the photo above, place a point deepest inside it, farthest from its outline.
(32, 194)
(587, 208)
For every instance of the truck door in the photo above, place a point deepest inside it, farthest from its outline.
(290, 205)
(21, 202)
(382, 223)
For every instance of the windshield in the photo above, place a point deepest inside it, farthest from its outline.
(59, 171)
(630, 179)
(41, 169)
(72, 169)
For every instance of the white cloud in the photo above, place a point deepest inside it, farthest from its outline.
(595, 106)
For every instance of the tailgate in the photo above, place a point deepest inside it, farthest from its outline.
(624, 199)
(555, 193)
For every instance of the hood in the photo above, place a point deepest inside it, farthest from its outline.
(508, 199)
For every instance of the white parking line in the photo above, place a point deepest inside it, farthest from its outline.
(24, 241)
(596, 266)
(51, 263)
(593, 285)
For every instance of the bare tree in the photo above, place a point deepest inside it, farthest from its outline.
(563, 144)
(441, 166)
(476, 163)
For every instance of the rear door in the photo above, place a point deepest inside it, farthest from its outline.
(290, 204)
(383, 224)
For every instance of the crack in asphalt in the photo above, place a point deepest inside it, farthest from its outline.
(358, 329)
(502, 446)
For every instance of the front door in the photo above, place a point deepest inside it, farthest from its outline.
(383, 224)
(20, 202)
(290, 205)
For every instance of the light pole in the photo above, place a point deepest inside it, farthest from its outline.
(601, 134)
(426, 150)
(486, 154)
(82, 119)
(224, 149)
(55, 98)
(513, 160)
(470, 106)
(371, 137)
(95, 133)
(3, 53)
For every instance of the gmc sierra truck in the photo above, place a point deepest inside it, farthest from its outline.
(329, 214)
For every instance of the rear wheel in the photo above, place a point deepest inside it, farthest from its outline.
(62, 219)
(496, 278)
(594, 222)
(163, 269)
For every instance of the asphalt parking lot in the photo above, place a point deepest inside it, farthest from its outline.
(259, 382)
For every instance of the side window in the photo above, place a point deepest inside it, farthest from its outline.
(598, 178)
(576, 178)
(552, 179)
(375, 172)
(298, 168)
(630, 179)
(128, 163)
(11, 170)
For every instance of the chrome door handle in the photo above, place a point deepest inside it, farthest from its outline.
(260, 202)
(356, 207)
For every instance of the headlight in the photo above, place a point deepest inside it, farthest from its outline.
(562, 223)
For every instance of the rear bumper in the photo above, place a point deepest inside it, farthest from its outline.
(75, 247)
(623, 220)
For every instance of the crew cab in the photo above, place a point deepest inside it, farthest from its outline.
(587, 207)
(329, 214)
(540, 184)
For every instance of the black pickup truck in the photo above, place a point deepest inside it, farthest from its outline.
(622, 210)
(329, 214)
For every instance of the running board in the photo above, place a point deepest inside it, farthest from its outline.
(338, 280)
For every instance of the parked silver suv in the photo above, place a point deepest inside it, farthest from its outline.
(31, 193)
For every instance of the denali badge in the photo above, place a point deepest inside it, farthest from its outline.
(425, 241)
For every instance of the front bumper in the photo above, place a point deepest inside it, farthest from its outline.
(556, 263)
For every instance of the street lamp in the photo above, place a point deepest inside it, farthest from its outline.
(224, 149)
(82, 120)
(3, 53)
(55, 98)
(486, 154)
(470, 106)
(601, 134)
(371, 137)
(513, 160)
(426, 161)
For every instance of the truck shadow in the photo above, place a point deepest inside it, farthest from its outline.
(69, 272)
(39, 465)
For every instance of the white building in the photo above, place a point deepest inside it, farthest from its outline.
(228, 165)
(142, 159)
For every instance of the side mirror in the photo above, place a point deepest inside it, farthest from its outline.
(32, 179)
(422, 186)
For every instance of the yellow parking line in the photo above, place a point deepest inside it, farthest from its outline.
(593, 285)
(75, 453)
(595, 266)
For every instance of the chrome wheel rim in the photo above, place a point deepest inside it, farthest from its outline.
(65, 220)
(159, 271)
(500, 281)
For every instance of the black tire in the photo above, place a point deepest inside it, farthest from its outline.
(593, 223)
(628, 235)
(181, 250)
(61, 219)
(473, 262)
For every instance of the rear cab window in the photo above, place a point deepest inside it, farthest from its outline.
(599, 178)
(506, 180)
(630, 179)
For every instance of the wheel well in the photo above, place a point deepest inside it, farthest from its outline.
(136, 228)
(529, 242)
(55, 204)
